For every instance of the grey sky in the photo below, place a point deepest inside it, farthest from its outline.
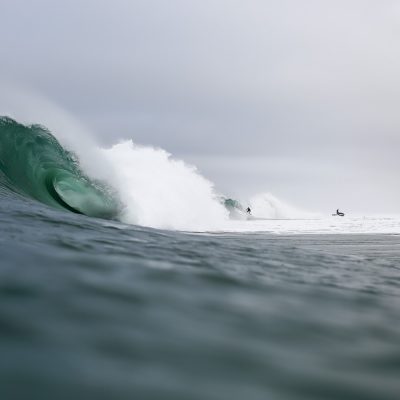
(300, 98)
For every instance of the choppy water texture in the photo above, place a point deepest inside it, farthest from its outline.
(97, 309)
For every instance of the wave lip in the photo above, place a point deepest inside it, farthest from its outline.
(34, 164)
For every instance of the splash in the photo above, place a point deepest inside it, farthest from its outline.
(162, 192)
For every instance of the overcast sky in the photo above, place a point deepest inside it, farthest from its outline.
(299, 98)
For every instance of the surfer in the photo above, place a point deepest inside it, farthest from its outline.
(340, 214)
(248, 210)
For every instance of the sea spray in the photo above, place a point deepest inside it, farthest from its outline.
(162, 192)
(29, 108)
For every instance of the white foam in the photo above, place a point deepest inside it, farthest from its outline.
(162, 192)
(322, 225)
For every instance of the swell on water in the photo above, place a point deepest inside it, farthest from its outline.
(143, 185)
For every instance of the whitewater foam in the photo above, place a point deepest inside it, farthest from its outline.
(161, 192)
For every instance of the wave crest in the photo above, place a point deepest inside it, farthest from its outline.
(33, 163)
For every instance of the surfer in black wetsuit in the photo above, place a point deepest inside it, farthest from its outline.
(248, 210)
(339, 213)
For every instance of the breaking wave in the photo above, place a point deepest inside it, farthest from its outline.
(144, 185)
(33, 163)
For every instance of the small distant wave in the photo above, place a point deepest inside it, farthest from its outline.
(265, 205)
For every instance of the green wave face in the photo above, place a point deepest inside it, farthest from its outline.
(33, 163)
(232, 205)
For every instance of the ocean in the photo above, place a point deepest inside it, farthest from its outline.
(106, 293)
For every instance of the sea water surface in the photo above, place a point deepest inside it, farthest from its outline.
(96, 308)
